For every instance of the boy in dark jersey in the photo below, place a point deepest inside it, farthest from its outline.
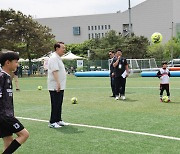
(8, 123)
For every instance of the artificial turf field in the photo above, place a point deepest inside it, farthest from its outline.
(140, 112)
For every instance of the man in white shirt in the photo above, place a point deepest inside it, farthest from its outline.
(56, 85)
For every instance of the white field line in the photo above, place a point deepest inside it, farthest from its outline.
(106, 88)
(110, 129)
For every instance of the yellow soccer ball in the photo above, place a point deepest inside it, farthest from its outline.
(156, 38)
(74, 100)
(165, 99)
(39, 87)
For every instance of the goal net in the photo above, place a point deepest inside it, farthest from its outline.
(138, 65)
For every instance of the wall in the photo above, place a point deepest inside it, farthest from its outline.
(148, 17)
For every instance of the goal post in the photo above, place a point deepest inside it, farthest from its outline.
(138, 65)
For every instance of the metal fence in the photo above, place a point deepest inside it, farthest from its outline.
(89, 65)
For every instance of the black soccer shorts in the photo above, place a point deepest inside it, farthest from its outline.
(9, 125)
(164, 86)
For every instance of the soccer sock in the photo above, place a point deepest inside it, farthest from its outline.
(12, 147)
(160, 96)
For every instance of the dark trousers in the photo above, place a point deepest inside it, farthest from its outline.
(120, 84)
(56, 105)
(112, 85)
(164, 87)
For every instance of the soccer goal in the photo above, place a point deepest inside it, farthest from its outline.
(138, 65)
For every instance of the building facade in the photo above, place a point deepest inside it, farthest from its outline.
(146, 18)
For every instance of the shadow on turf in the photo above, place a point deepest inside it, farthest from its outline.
(172, 102)
(129, 100)
(69, 130)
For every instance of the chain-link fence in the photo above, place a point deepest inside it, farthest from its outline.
(90, 65)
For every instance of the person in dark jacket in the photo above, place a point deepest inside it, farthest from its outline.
(111, 67)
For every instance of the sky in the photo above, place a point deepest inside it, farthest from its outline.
(64, 8)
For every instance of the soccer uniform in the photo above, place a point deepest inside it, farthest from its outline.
(8, 123)
(164, 75)
(120, 82)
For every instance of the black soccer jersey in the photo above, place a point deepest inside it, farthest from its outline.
(6, 95)
(121, 67)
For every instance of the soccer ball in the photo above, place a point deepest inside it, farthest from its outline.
(74, 100)
(156, 38)
(165, 99)
(39, 87)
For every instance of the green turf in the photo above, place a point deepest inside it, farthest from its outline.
(141, 112)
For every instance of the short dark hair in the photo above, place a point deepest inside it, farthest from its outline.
(111, 51)
(57, 45)
(4, 56)
(164, 62)
(118, 50)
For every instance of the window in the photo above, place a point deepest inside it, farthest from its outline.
(102, 34)
(95, 27)
(109, 26)
(126, 29)
(102, 27)
(105, 26)
(76, 30)
(89, 28)
(99, 27)
(92, 27)
(92, 35)
(89, 36)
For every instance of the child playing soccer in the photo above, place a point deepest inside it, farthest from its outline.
(164, 74)
(8, 123)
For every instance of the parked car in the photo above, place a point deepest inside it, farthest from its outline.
(174, 63)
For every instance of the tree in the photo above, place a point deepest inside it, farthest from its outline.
(166, 51)
(156, 51)
(21, 33)
(172, 49)
(110, 40)
(133, 47)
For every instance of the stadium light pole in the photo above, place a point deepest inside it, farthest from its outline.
(130, 27)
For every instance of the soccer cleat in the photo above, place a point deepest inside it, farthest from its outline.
(62, 123)
(117, 98)
(169, 100)
(123, 97)
(54, 125)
